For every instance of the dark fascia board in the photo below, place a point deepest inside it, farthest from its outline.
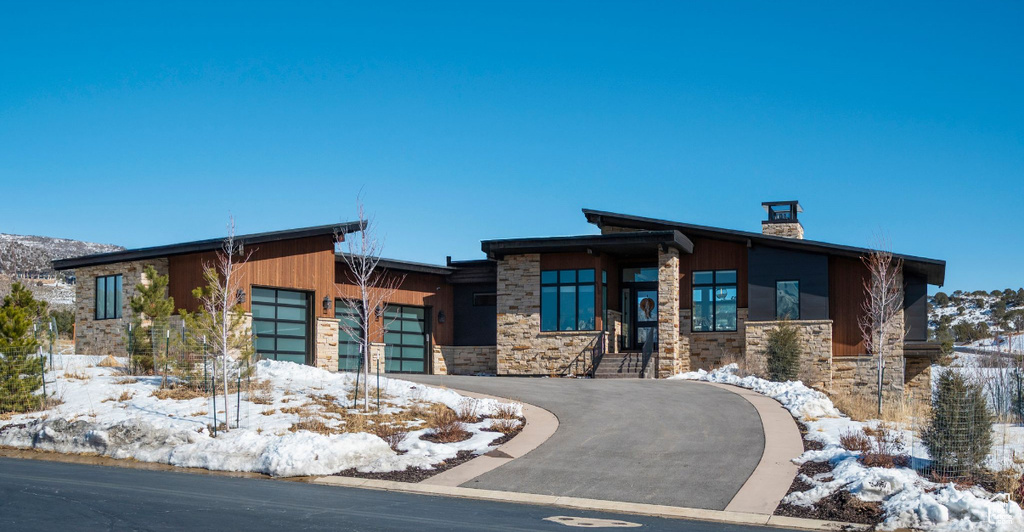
(933, 270)
(201, 246)
(405, 266)
(557, 244)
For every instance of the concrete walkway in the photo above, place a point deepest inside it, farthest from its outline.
(675, 443)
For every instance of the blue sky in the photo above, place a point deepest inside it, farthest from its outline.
(140, 124)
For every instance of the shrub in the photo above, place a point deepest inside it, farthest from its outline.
(446, 425)
(855, 441)
(391, 434)
(783, 352)
(886, 446)
(959, 432)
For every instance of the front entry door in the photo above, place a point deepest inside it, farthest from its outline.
(646, 312)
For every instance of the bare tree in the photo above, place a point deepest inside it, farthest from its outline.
(221, 318)
(883, 303)
(373, 286)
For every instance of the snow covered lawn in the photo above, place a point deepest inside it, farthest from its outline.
(107, 413)
(908, 500)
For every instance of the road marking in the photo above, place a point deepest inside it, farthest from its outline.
(589, 522)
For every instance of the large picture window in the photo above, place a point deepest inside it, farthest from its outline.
(567, 300)
(108, 297)
(787, 300)
(714, 301)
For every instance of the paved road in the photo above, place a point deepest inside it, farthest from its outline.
(37, 495)
(679, 443)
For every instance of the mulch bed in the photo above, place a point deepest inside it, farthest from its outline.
(840, 506)
(418, 475)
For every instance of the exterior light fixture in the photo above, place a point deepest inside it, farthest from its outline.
(440, 316)
(378, 311)
(240, 295)
(327, 303)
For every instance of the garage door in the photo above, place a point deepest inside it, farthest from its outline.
(280, 321)
(405, 339)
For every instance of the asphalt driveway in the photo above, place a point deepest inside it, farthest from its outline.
(678, 443)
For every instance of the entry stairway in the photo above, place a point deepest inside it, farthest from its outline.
(621, 366)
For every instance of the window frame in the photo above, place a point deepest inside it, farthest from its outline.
(714, 285)
(118, 297)
(797, 282)
(557, 285)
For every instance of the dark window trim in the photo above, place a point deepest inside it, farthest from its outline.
(797, 281)
(118, 297)
(715, 285)
(558, 297)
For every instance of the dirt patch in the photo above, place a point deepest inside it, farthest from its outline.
(840, 506)
(417, 475)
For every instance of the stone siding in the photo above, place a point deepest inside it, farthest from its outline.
(786, 229)
(326, 347)
(917, 381)
(816, 350)
(671, 359)
(615, 338)
(522, 349)
(854, 375)
(469, 360)
(711, 350)
(107, 337)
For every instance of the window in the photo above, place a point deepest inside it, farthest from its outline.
(350, 332)
(787, 300)
(567, 300)
(714, 301)
(280, 321)
(108, 297)
(485, 299)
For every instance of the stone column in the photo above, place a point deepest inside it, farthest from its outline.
(326, 351)
(377, 357)
(670, 360)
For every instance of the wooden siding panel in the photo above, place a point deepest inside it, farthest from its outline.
(846, 278)
(302, 264)
(417, 289)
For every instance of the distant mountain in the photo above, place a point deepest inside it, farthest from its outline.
(971, 316)
(32, 254)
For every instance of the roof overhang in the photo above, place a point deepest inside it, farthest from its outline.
(933, 270)
(638, 243)
(211, 244)
(404, 265)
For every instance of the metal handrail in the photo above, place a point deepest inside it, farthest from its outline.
(594, 350)
(597, 353)
(648, 351)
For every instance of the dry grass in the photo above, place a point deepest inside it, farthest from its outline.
(313, 424)
(373, 394)
(468, 411)
(299, 410)
(269, 412)
(506, 411)
(178, 393)
(447, 428)
(200, 413)
(855, 441)
(504, 425)
(76, 376)
(125, 395)
(1011, 479)
(126, 380)
(390, 433)
(261, 392)
(864, 407)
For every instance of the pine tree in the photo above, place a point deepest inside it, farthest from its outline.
(959, 432)
(151, 303)
(21, 297)
(20, 370)
(783, 352)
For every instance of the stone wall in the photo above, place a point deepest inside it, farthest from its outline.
(325, 350)
(671, 359)
(710, 350)
(438, 365)
(522, 349)
(107, 337)
(917, 381)
(815, 342)
(615, 338)
(786, 229)
(469, 360)
(859, 374)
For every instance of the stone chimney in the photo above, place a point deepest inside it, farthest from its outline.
(782, 219)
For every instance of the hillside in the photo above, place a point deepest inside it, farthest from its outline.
(971, 317)
(32, 254)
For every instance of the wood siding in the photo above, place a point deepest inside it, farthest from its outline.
(302, 264)
(418, 290)
(710, 254)
(846, 278)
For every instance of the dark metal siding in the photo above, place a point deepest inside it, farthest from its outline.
(915, 308)
(768, 265)
(474, 325)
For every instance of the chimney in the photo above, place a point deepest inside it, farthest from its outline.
(782, 219)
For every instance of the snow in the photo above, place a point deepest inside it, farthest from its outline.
(908, 500)
(92, 419)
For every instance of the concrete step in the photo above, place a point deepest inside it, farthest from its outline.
(620, 365)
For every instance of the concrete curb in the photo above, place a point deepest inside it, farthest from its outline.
(770, 481)
(540, 425)
(596, 505)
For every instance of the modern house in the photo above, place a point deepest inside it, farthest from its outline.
(642, 296)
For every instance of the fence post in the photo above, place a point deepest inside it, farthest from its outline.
(238, 400)
(378, 385)
(42, 373)
(52, 333)
(359, 369)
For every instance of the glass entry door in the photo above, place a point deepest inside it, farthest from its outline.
(639, 307)
(646, 317)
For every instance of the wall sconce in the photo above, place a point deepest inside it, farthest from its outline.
(240, 295)
(327, 303)
(440, 316)
(378, 311)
